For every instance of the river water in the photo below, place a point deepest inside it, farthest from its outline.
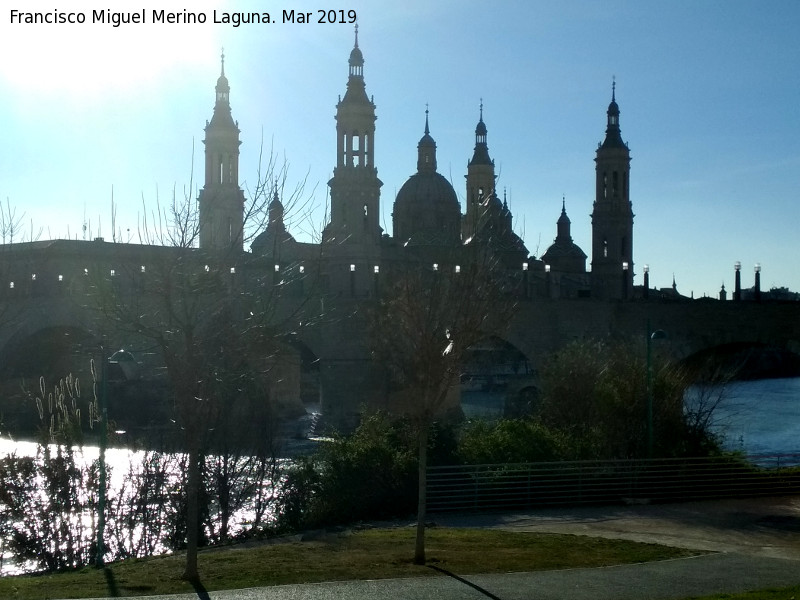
(753, 417)
(758, 417)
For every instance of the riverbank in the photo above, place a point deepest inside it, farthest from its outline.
(742, 545)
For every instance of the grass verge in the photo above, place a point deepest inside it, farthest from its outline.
(365, 554)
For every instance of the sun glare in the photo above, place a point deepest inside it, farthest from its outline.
(91, 58)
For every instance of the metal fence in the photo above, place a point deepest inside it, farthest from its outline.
(513, 486)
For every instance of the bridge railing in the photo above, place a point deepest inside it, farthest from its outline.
(571, 483)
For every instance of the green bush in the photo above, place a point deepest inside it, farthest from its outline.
(510, 441)
(595, 393)
(370, 474)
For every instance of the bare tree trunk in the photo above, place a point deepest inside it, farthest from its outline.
(190, 572)
(419, 550)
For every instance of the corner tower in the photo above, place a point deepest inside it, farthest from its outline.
(221, 201)
(355, 187)
(481, 197)
(612, 213)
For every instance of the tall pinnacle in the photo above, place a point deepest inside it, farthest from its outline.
(613, 134)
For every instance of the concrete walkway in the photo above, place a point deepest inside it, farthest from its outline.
(753, 544)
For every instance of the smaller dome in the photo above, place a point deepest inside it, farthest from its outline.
(275, 209)
(566, 257)
(356, 57)
(222, 84)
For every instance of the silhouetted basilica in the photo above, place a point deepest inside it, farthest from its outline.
(428, 224)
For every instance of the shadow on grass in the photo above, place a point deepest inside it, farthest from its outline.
(111, 582)
(486, 593)
(200, 590)
(113, 588)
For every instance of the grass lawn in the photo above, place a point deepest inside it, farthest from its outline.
(365, 554)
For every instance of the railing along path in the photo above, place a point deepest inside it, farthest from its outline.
(511, 486)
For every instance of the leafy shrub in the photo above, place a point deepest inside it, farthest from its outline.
(509, 441)
(368, 474)
(596, 394)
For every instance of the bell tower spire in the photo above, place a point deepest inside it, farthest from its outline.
(221, 201)
(612, 214)
(355, 187)
(480, 182)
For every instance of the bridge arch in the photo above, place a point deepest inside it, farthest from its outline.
(494, 376)
(52, 351)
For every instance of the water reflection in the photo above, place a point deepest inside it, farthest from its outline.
(145, 505)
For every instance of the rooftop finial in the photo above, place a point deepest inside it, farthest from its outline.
(427, 130)
(222, 60)
(481, 109)
(613, 88)
(356, 35)
(563, 203)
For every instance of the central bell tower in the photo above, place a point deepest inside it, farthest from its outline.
(612, 214)
(221, 201)
(355, 187)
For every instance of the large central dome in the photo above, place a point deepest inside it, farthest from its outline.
(426, 210)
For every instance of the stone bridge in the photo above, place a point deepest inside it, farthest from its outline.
(46, 328)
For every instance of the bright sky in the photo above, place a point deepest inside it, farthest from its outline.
(708, 91)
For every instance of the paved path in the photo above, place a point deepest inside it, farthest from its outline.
(768, 527)
(755, 544)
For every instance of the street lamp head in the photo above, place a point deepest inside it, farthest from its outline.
(758, 267)
(524, 266)
(547, 268)
(625, 265)
(737, 265)
(646, 268)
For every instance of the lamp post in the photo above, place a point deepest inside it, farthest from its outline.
(737, 290)
(547, 282)
(525, 280)
(658, 334)
(101, 495)
(757, 289)
(625, 267)
(646, 288)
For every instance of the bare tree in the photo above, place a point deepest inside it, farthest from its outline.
(422, 326)
(214, 316)
(11, 226)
